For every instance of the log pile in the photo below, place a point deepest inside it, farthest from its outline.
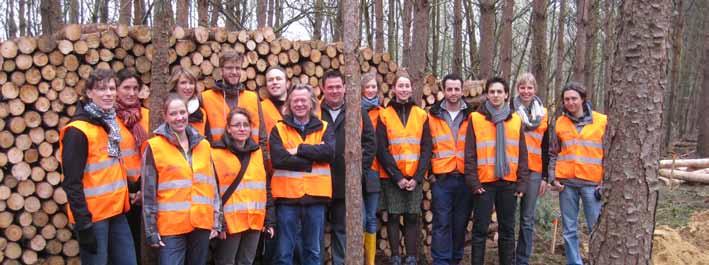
(41, 80)
(684, 170)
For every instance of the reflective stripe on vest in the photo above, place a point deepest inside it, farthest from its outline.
(185, 193)
(404, 141)
(485, 137)
(245, 209)
(294, 184)
(533, 139)
(217, 109)
(104, 181)
(581, 154)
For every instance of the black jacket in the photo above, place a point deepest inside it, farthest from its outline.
(369, 146)
(74, 155)
(387, 161)
(305, 156)
(242, 154)
(471, 157)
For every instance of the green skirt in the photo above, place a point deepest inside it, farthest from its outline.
(397, 201)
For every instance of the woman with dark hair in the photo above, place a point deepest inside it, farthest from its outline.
(576, 164)
(245, 192)
(495, 169)
(94, 178)
(181, 205)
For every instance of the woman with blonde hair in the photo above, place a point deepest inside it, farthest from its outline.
(184, 83)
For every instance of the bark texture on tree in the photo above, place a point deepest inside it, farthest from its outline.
(539, 46)
(591, 50)
(472, 42)
(124, 12)
(435, 38)
(183, 13)
(677, 44)
(203, 13)
(506, 40)
(318, 19)
(261, 14)
(559, 75)
(138, 12)
(419, 48)
(457, 37)
(624, 232)
(73, 11)
(353, 130)
(487, 38)
(378, 26)
(406, 19)
(392, 30)
(10, 20)
(702, 121)
(22, 21)
(51, 17)
(579, 64)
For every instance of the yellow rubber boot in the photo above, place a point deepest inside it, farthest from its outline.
(370, 248)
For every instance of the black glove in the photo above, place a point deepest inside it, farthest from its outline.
(87, 239)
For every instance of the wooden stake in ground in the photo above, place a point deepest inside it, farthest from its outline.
(353, 130)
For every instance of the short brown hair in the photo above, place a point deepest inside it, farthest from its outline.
(230, 56)
(97, 77)
(235, 111)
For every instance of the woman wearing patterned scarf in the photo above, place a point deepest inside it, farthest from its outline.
(94, 179)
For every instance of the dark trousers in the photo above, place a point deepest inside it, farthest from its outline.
(338, 235)
(451, 206)
(500, 195)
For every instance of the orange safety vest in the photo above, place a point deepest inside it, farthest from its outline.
(533, 139)
(581, 154)
(485, 137)
(130, 152)
(271, 115)
(185, 193)
(374, 117)
(104, 180)
(246, 208)
(448, 154)
(217, 110)
(200, 125)
(295, 184)
(404, 142)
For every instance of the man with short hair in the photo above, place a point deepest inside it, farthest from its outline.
(277, 85)
(451, 200)
(333, 111)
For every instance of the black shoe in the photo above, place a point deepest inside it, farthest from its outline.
(410, 260)
(395, 260)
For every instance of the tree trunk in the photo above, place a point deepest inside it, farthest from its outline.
(506, 39)
(203, 13)
(378, 26)
(367, 23)
(22, 18)
(51, 17)
(392, 31)
(271, 10)
(579, 64)
(339, 23)
(539, 46)
(472, 43)
(487, 38)
(183, 13)
(436, 37)
(677, 44)
(353, 131)
(124, 12)
(702, 121)
(73, 11)
(608, 47)
(318, 19)
(406, 29)
(559, 69)
(216, 8)
(138, 12)
(624, 232)
(279, 13)
(261, 15)
(230, 10)
(103, 5)
(10, 20)
(419, 47)
(590, 60)
(458, 37)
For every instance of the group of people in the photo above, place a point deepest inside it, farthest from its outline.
(228, 167)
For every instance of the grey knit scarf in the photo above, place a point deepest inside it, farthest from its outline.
(532, 116)
(108, 117)
(498, 116)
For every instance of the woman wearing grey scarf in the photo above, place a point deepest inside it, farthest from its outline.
(92, 170)
(495, 169)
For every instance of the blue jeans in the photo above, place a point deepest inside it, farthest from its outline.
(371, 203)
(114, 242)
(569, 204)
(451, 206)
(312, 220)
(192, 247)
(527, 210)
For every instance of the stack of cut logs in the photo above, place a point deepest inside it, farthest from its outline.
(684, 170)
(40, 83)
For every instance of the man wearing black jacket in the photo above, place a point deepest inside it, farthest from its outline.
(333, 111)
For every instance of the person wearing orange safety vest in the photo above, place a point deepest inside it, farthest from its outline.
(576, 164)
(371, 183)
(531, 110)
(451, 200)
(404, 151)
(134, 122)
(94, 175)
(302, 148)
(184, 83)
(495, 169)
(246, 198)
(181, 203)
(228, 94)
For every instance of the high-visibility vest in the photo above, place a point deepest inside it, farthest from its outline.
(246, 208)
(533, 139)
(404, 142)
(448, 154)
(295, 184)
(130, 153)
(217, 110)
(581, 154)
(374, 117)
(485, 137)
(185, 193)
(104, 180)
(200, 125)
(271, 115)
